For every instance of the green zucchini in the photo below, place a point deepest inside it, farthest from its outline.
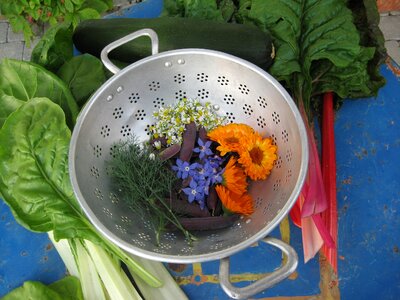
(244, 41)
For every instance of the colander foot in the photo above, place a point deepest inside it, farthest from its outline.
(264, 283)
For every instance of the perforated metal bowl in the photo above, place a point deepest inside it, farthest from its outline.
(124, 105)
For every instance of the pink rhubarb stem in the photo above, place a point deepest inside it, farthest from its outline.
(329, 177)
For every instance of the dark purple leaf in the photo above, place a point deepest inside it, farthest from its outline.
(189, 139)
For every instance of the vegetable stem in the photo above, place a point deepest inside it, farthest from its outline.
(170, 289)
(329, 176)
(133, 265)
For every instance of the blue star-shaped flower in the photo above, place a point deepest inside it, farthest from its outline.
(194, 192)
(184, 169)
(216, 177)
(215, 161)
(203, 149)
(214, 174)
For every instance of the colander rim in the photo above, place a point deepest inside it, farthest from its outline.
(217, 254)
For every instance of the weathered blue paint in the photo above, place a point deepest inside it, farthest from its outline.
(146, 9)
(368, 182)
(259, 259)
(25, 255)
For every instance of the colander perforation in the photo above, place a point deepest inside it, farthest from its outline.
(228, 99)
(238, 91)
(285, 136)
(202, 77)
(202, 94)
(261, 122)
(97, 151)
(262, 102)
(94, 172)
(248, 110)
(134, 98)
(158, 102)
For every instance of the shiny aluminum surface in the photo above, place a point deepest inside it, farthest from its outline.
(124, 105)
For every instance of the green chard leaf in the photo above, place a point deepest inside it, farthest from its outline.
(200, 9)
(366, 18)
(305, 33)
(34, 177)
(35, 183)
(318, 46)
(8, 104)
(350, 82)
(81, 82)
(68, 288)
(21, 81)
(227, 8)
(173, 8)
(54, 48)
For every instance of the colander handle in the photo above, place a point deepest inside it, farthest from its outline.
(134, 35)
(263, 283)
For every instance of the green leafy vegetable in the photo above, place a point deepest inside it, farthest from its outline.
(54, 48)
(307, 32)
(366, 18)
(34, 177)
(200, 9)
(77, 16)
(228, 9)
(80, 81)
(115, 280)
(319, 44)
(21, 81)
(170, 289)
(8, 104)
(34, 171)
(350, 82)
(68, 288)
(99, 5)
(23, 15)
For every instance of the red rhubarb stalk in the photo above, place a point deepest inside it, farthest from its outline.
(312, 201)
(328, 166)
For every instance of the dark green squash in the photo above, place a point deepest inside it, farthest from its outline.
(244, 41)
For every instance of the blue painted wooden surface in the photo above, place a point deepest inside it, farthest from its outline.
(368, 181)
(25, 255)
(367, 144)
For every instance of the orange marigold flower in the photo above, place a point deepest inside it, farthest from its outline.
(241, 204)
(230, 137)
(257, 157)
(234, 177)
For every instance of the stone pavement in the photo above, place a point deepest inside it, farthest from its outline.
(12, 44)
(390, 26)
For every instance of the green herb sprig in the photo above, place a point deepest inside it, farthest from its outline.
(145, 182)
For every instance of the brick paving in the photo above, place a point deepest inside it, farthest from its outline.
(12, 45)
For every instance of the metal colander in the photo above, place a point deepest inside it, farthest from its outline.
(124, 105)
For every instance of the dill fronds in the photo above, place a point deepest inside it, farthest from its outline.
(145, 182)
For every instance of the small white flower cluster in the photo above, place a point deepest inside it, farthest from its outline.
(171, 120)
